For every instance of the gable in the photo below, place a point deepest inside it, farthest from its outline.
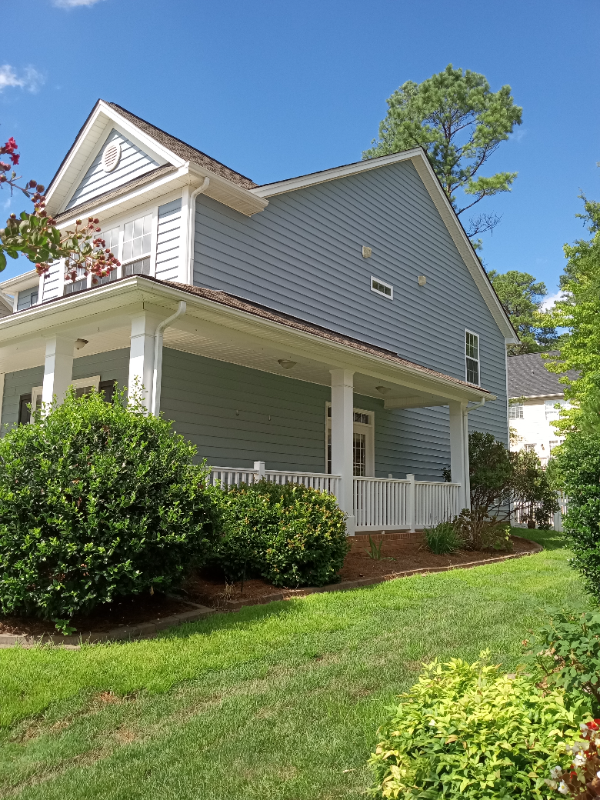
(133, 163)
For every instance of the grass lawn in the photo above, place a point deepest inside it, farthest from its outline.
(278, 701)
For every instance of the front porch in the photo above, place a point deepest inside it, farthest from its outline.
(378, 504)
(265, 392)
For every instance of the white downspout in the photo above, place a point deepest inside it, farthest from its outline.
(466, 449)
(191, 229)
(158, 350)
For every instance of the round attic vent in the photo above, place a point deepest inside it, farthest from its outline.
(111, 156)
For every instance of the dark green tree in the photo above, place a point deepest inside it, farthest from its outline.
(522, 298)
(460, 123)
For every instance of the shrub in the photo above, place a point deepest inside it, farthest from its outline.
(468, 731)
(567, 651)
(578, 461)
(289, 535)
(97, 500)
(478, 531)
(443, 538)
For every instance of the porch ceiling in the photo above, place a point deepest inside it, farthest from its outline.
(102, 317)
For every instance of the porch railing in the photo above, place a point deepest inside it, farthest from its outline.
(384, 503)
(229, 476)
(520, 516)
(379, 503)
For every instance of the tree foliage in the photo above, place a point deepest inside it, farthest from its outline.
(35, 235)
(460, 123)
(579, 312)
(522, 297)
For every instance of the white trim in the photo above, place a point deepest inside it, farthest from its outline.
(93, 381)
(358, 427)
(389, 286)
(478, 359)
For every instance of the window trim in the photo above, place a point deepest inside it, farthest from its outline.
(357, 427)
(472, 359)
(389, 286)
(93, 381)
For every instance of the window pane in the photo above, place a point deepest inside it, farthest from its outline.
(472, 345)
(126, 251)
(145, 244)
(472, 371)
(137, 248)
(359, 452)
(147, 223)
(128, 231)
(138, 227)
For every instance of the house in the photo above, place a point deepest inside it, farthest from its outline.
(535, 400)
(335, 328)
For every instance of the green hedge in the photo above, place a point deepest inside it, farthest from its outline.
(289, 535)
(97, 500)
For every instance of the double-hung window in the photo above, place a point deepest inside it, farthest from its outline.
(515, 411)
(472, 358)
(137, 243)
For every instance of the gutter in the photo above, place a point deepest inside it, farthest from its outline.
(158, 351)
(191, 229)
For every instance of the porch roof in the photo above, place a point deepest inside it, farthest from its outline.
(222, 326)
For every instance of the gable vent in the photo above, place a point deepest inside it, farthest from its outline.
(111, 156)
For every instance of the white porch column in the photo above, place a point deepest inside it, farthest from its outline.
(459, 459)
(141, 356)
(342, 430)
(58, 368)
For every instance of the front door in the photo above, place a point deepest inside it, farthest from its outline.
(363, 455)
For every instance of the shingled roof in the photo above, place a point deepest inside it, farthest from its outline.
(528, 377)
(184, 150)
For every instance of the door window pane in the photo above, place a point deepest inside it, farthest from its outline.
(359, 453)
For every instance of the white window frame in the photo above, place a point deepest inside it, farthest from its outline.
(530, 448)
(358, 427)
(517, 407)
(382, 283)
(93, 381)
(478, 359)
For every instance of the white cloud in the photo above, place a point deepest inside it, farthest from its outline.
(74, 3)
(29, 78)
(548, 303)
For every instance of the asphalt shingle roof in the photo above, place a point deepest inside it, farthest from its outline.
(528, 377)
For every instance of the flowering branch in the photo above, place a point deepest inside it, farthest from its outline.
(582, 780)
(36, 236)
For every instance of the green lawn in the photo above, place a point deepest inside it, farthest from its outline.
(277, 701)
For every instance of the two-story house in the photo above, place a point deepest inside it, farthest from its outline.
(535, 400)
(335, 328)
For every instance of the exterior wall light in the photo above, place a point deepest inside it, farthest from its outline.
(283, 362)
(79, 343)
(383, 389)
(421, 280)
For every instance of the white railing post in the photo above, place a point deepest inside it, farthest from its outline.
(411, 504)
(260, 468)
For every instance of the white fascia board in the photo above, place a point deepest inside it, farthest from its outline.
(153, 190)
(443, 205)
(86, 147)
(228, 193)
(114, 299)
(25, 281)
(314, 178)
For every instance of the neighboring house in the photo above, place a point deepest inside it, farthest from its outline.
(336, 327)
(536, 397)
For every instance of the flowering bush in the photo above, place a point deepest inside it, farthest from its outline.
(582, 779)
(36, 236)
(469, 731)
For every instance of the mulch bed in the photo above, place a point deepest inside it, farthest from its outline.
(400, 553)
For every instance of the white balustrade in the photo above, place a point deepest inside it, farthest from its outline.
(381, 503)
(230, 476)
(435, 503)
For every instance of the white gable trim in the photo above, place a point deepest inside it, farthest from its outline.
(443, 205)
(86, 147)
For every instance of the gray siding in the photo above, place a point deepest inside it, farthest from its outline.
(134, 162)
(236, 416)
(168, 241)
(113, 365)
(302, 255)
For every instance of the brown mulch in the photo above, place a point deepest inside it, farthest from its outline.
(399, 553)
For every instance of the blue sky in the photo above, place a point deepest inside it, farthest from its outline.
(276, 89)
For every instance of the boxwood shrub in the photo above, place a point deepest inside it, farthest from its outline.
(97, 500)
(289, 535)
(469, 731)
